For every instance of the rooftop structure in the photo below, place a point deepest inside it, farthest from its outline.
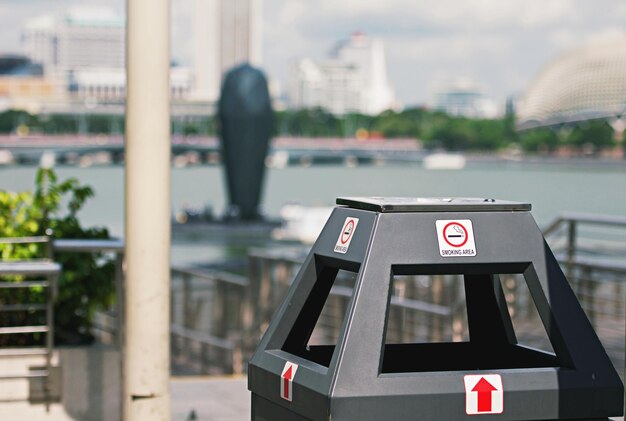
(15, 65)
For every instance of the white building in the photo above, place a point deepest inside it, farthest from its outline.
(464, 98)
(83, 38)
(109, 84)
(83, 54)
(354, 79)
(226, 33)
(39, 41)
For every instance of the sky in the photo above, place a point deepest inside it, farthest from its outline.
(499, 44)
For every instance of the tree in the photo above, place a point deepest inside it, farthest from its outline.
(596, 133)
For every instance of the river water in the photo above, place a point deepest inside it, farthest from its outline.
(551, 188)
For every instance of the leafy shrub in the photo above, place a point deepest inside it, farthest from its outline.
(86, 282)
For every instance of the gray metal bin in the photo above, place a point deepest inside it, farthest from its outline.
(490, 375)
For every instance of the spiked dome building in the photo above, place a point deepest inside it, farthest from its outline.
(585, 84)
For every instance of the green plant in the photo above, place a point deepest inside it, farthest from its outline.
(86, 282)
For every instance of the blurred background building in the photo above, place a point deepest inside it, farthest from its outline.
(79, 55)
(226, 33)
(584, 84)
(22, 84)
(79, 42)
(352, 79)
(464, 98)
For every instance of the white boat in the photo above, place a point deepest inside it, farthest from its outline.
(444, 161)
(302, 223)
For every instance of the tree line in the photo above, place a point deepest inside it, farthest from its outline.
(436, 129)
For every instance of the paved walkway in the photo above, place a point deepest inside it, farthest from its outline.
(212, 399)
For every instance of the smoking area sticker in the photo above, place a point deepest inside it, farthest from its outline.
(456, 238)
(346, 234)
(484, 394)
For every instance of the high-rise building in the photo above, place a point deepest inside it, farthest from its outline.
(353, 79)
(83, 38)
(205, 53)
(39, 41)
(83, 51)
(226, 33)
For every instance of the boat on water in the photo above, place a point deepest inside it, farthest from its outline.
(301, 223)
(296, 223)
(445, 161)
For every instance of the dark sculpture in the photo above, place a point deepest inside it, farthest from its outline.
(246, 123)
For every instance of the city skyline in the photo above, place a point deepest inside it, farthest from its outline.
(500, 46)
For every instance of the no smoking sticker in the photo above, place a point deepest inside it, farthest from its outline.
(456, 238)
(346, 234)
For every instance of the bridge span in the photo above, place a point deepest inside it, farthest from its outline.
(29, 149)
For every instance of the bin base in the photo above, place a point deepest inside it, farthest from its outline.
(264, 410)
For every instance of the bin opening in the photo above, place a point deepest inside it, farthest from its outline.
(476, 318)
(321, 321)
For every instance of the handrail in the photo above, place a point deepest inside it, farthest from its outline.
(108, 245)
(212, 275)
(585, 218)
(50, 270)
(24, 240)
(89, 245)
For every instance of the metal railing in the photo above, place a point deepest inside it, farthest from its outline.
(590, 248)
(207, 310)
(219, 317)
(592, 252)
(108, 324)
(32, 275)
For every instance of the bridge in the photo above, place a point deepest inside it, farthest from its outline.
(283, 150)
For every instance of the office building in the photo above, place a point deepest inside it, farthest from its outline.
(226, 33)
(82, 53)
(352, 79)
(464, 98)
(81, 39)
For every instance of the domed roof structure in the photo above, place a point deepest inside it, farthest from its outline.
(584, 84)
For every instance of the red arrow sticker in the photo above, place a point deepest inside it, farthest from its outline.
(286, 379)
(484, 394)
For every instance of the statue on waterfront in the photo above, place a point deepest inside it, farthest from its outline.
(245, 127)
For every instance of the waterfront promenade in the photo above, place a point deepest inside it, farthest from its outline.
(89, 386)
(209, 398)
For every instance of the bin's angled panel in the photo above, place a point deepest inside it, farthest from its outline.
(311, 387)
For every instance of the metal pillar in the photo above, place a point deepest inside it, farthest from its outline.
(146, 349)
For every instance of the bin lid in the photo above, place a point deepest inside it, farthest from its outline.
(431, 204)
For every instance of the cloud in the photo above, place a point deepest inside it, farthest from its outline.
(450, 48)
(451, 14)
(565, 39)
(610, 34)
(501, 44)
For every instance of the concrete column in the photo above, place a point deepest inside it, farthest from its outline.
(146, 352)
